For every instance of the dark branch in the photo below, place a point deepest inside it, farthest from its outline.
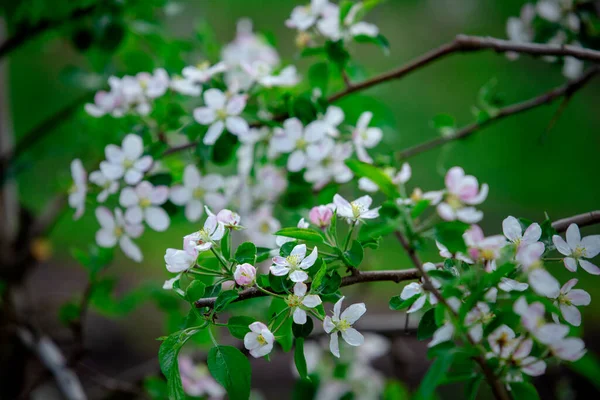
(362, 277)
(565, 90)
(589, 218)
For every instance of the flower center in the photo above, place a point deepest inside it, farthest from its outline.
(488, 254)
(301, 144)
(265, 228)
(293, 261)
(127, 163)
(454, 202)
(145, 203)
(222, 113)
(357, 209)
(342, 325)
(416, 195)
(563, 299)
(204, 236)
(198, 193)
(578, 252)
(293, 301)
(73, 189)
(203, 66)
(118, 231)
(261, 339)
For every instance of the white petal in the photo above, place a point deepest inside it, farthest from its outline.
(105, 218)
(511, 228)
(159, 195)
(310, 260)
(296, 161)
(128, 197)
(334, 346)
(532, 234)
(337, 308)
(157, 218)
(411, 290)
(543, 283)
(237, 125)
(551, 333)
(130, 249)
(534, 368)
(417, 305)
(133, 146)
(180, 195)
(328, 325)
(279, 270)
(589, 267)
(298, 276)
(133, 176)
(299, 251)
(573, 236)
(134, 215)
(570, 264)
(236, 105)
(311, 301)
(561, 245)
(213, 133)
(205, 115)
(353, 337)
(194, 210)
(112, 171)
(591, 244)
(571, 314)
(299, 316)
(300, 289)
(442, 334)
(354, 312)
(143, 164)
(106, 238)
(215, 99)
(446, 212)
(579, 297)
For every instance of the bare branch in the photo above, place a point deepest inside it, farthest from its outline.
(567, 89)
(363, 276)
(589, 218)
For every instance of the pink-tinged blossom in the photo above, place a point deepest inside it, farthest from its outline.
(105, 103)
(444, 252)
(221, 113)
(332, 168)
(178, 261)
(126, 161)
(78, 190)
(511, 227)
(245, 274)
(197, 381)
(475, 320)
(568, 349)
(299, 302)
(357, 210)
(462, 192)
(295, 264)
(142, 203)
(484, 249)
(306, 145)
(417, 289)
(229, 219)
(154, 85)
(321, 216)
(568, 300)
(116, 229)
(342, 323)
(365, 137)
(514, 352)
(540, 280)
(259, 341)
(577, 249)
(197, 190)
(106, 185)
(205, 238)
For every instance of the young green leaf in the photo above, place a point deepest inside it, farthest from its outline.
(523, 391)
(355, 255)
(224, 298)
(450, 234)
(308, 234)
(167, 358)
(376, 175)
(246, 253)
(232, 370)
(239, 325)
(427, 325)
(396, 303)
(299, 359)
(436, 373)
(195, 291)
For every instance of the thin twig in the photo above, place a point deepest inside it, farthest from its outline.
(565, 90)
(365, 276)
(585, 219)
(497, 387)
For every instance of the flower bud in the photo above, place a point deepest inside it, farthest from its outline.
(244, 274)
(229, 218)
(321, 216)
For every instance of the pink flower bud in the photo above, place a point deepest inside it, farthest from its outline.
(321, 216)
(228, 218)
(244, 274)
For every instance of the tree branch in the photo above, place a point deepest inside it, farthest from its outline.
(361, 277)
(567, 89)
(589, 218)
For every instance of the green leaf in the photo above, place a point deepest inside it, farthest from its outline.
(304, 109)
(262, 253)
(308, 234)
(345, 6)
(418, 208)
(332, 283)
(304, 330)
(472, 387)
(69, 312)
(232, 370)
(434, 376)
(318, 76)
(319, 279)
(246, 253)
(375, 174)
(287, 248)
(225, 245)
(280, 284)
(195, 291)
(396, 303)
(450, 233)
(371, 243)
(284, 335)
(299, 359)
(239, 325)
(395, 390)
(224, 298)
(523, 391)
(95, 259)
(167, 357)
(427, 325)
(379, 40)
(224, 149)
(336, 53)
(355, 255)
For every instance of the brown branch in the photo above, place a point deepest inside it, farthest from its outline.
(589, 218)
(362, 277)
(567, 89)
(497, 386)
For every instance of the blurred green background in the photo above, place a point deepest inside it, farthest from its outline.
(530, 171)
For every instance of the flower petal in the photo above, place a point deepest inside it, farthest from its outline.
(353, 337)
(157, 218)
(353, 313)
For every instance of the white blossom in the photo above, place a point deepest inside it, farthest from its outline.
(576, 249)
(205, 238)
(142, 203)
(356, 210)
(365, 137)
(126, 161)
(342, 323)
(78, 190)
(116, 229)
(331, 168)
(196, 190)
(417, 289)
(108, 186)
(220, 113)
(511, 227)
(179, 260)
(259, 341)
(540, 280)
(261, 226)
(304, 17)
(306, 144)
(568, 300)
(299, 301)
(295, 264)
(463, 192)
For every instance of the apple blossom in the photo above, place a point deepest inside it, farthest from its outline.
(78, 190)
(196, 380)
(417, 289)
(357, 210)
(179, 260)
(331, 168)
(514, 352)
(342, 323)
(126, 161)
(475, 319)
(330, 26)
(271, 183)
(444, 252)
(443, 334)
(541, 281)
(333, 117)
(294, 264)
(203, 72)
(154, 85)
(262, 225)
(203, 240)
(229, 219)
(533, 319)
(567, 301)
(108, 186)
(197, 189)
(576, 249)
(262, 73)
(306, 144)
(259, 341)
(511, 227)
(299, 301)
(321, 216)
(245, 274)
(220, 113)
(462, 192)
(304, 17)
(142, 203)
(568, 348)
(484, 249)
(116, 229)
(364, 137)
(105, 103)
